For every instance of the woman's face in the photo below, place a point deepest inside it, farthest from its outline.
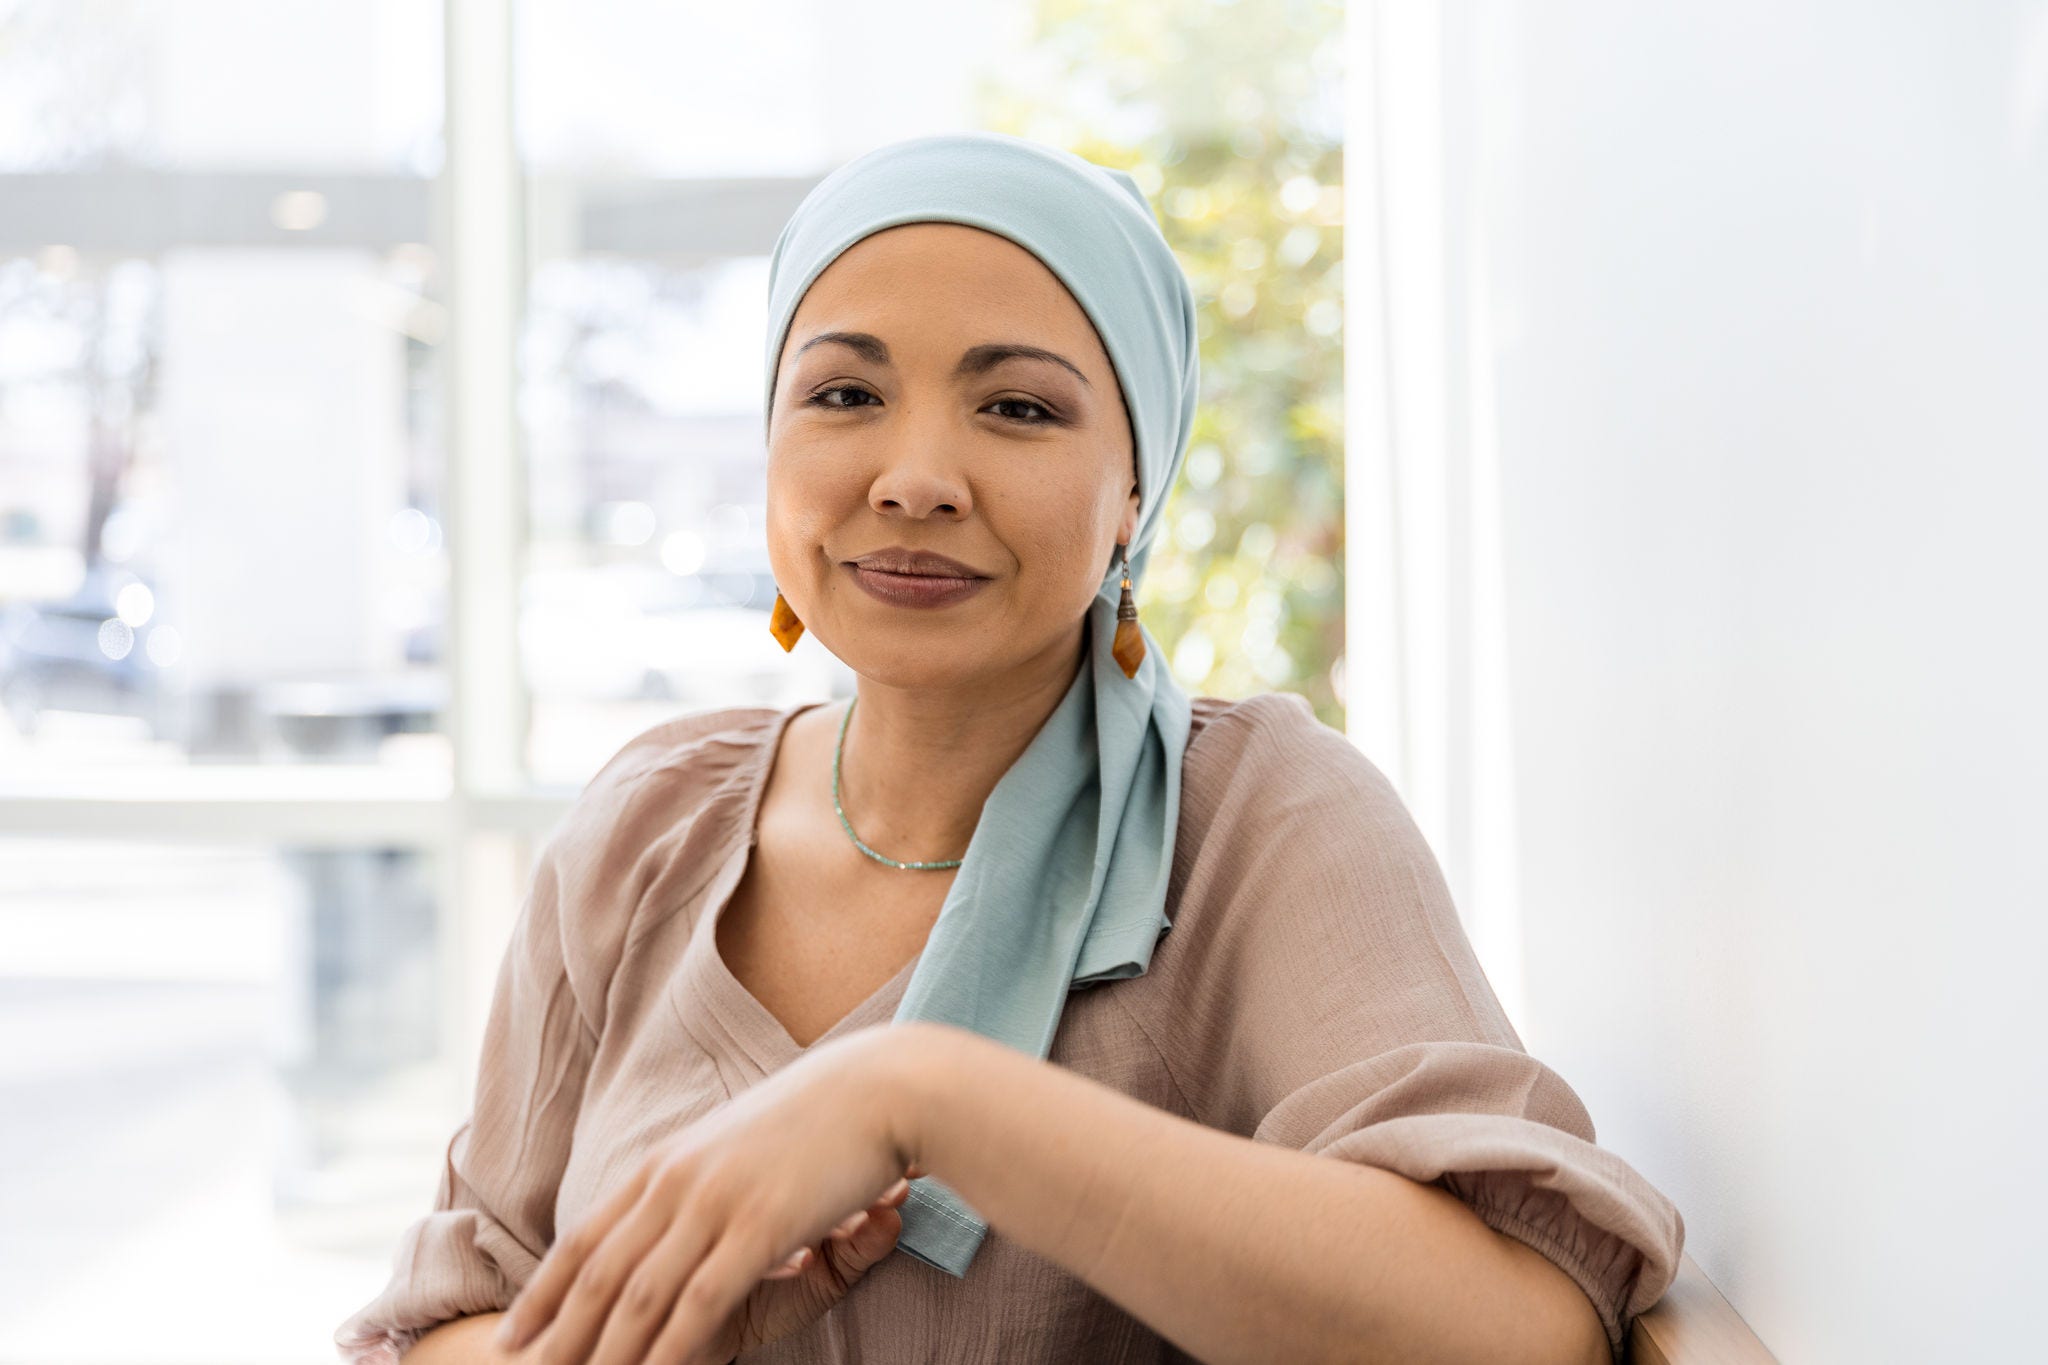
(901, 420)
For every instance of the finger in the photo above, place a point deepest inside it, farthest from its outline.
(890, 1198)
(649, 1291)
(915, 1171)
(534, 1307)
(794, 1265)
(870, 1242)
(874, 1239)
(612, 1271)
(717, 1287)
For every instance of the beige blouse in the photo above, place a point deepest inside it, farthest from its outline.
(1317, 990)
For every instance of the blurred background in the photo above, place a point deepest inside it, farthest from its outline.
(1627, 423)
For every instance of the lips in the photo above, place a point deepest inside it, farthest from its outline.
(903, 562)
(904, 577)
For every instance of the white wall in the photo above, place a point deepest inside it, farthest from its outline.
(1748, 321)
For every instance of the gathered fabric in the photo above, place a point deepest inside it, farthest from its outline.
(1064, 881)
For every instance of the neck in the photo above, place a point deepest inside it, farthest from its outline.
(919, 763)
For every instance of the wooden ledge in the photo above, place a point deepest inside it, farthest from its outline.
(1693, 1325)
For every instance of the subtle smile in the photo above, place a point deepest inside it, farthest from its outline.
(914, 589)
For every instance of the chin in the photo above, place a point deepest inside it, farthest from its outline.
(876, 663)
(927, 659)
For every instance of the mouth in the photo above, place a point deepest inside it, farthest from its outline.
(905, 562)
(906, 577)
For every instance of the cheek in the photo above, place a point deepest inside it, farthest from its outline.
(809, 489)
(1055, 524)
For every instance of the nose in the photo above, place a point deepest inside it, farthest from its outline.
(923, 481)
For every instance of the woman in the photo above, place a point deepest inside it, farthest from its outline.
(796, 988)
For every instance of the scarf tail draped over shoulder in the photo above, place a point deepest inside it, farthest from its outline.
(1064, 882)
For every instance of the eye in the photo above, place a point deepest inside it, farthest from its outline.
(818, 399)
(1046, 419)
(823, 399)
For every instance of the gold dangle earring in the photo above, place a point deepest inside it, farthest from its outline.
(1129, 648)
(783, 625)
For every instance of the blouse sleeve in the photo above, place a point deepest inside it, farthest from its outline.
(493, 1216)
(1330, 1001)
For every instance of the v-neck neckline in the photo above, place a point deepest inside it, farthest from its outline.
(750, 1023)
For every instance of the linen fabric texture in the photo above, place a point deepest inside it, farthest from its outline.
(1318, 991)
(1064, 880)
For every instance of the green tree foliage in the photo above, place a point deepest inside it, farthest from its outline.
(1226, 114)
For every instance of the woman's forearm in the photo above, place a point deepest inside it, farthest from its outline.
(464, 1341)
(1233, 1249)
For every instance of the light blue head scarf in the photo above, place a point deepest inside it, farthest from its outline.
(1064, 883)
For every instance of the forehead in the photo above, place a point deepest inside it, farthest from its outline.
(941, 246)
(930, 279)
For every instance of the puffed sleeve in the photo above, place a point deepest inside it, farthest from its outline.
(1327, 998)
(493, 1216)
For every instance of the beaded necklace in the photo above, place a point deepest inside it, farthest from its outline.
(836, 752)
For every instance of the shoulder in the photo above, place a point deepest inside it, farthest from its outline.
(1274, 746)
(1285, 819)
(700, 745)
(668, 796)
(664, 776)
(1300, 874)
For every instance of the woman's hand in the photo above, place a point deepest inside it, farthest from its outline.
(806, 1286)
(800, 1290)
(739, 1229)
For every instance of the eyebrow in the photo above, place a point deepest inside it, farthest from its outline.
(977, 360)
